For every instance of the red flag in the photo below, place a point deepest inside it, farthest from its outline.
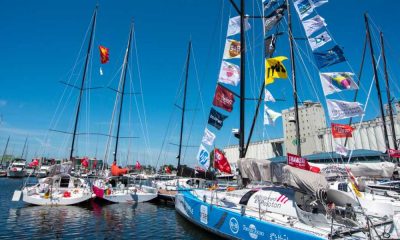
(220, 162)
(34, 163)
(341, 130)
(104, 54)
(138, 166)
(167, 170)
(85, 162)
(394, 153)
(223, 98)
(298, 162)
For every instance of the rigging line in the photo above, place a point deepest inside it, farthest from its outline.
(198, 83)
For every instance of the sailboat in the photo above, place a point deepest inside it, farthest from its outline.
(118, 188)
(292, 204)
(3, 170)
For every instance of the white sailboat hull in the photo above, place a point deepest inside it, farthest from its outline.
(55, 199)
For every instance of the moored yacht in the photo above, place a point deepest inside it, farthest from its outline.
(17, 168)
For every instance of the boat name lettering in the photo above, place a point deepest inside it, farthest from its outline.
(267, 201)
(204, 214)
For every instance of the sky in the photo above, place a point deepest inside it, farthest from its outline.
(44, 43)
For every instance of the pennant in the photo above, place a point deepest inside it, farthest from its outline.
(270, 116)
(303, 8)
(208, 137)
(270, 45)
(317, 3)
(274, 68)
(229, 74)
(223, 98)
(203, 157)
(341, 109)
(232, 49)
(394, 153)
(319, 40)
(104, 54)
(234, 25)
(341, 150)
(268, 96)
(274, 18)
(220, 162)
(216, 119)
(138, 166)
(337, 81)
(329, 57)
(313, 24)
(297, 162)
(101, 71)
(341, 130)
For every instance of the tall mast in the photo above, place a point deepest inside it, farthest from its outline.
(378, 89)
(83, 82)
(242, 151)
(5, 150)
(292, 62)
(388, 93)
(123, 77)
(23, 148)
(184, 106)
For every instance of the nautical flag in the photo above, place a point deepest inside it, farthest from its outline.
(313, 24)
(319, 40)
(203, 157)
(234, 25)
(104, 54)
(274, 68)
(273, 19)
(341, 150)
(270, 116)
(394, 153)
(297, 162)
(221, 162)
(229, 73)
(268, 96)
(208, 137)
(303, 8)
(341, 130)
(138, 166)
(223, 98)
(341, 109)
(232, 49)
(337, 81)
(270, 45)
(216, 119)
(329, 57)
(317, 3)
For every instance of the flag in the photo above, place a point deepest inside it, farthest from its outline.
(216, 119)
(269, 4)
(342, 150)
(319, 40)
(224, 98)
(394, 153)
(337, 81)
(317, 3)
(167, 170)
(208, 137)
(104, 54)
(353, 182)
(268, 96)
(329, 57)
(85, 162)
(101, 71)
(272, 19)
(338, 109)
(274, 68)
(303, 8)
(341, 130)
(270, 45)
(203, 157)
(236, 132)
(297, 162)
(220, 162)
(232, 49)
(34, 163)
(229, 73)
(138, 166)
(234, 25)
(313, 24)
(270, 116)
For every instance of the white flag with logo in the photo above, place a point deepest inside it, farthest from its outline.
(303, 8)
(203, 157)
(232, 49)
(337, 81)
(313, 24)
(234, 25)
(341, 109)
(319, 40)
(270, 116)
(342, 150)
(229, 73)
(268, 96)
(208, 137)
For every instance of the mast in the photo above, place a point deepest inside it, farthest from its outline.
(23, 149)
(123, 78)
(378, 89)
(388, 93)
(292, 62)
(83, 82)
(5, 150)
(184, 106)
(242, 152)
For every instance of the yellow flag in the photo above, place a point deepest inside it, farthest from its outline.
(355, 189)
(274, 68)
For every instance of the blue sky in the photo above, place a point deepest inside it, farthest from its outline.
(41, 42)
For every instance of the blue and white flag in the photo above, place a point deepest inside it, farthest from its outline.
(329, 57)
(203, 157)
(208, 137)
(319, 40)
(317, 3)
(303, 8)
(338, 109)
(313, 24)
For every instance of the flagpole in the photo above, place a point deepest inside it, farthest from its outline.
(5, 151)
(378, 89)
(242, 152)
(388, 93)
(292, 62)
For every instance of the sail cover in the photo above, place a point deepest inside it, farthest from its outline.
(366, 169)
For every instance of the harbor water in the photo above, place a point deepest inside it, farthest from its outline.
(92, 220)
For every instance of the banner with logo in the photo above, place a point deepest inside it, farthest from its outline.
(216, 119)
(341, 150)
(232, 49)
(329, 57)
(221, 162)
(319, 40)
(303, 8)
(338, 109)
(337, 81)
(203, 157)
(341, 130)
(208, 137)
(298, 162)
(274, 68)
(313, 24)
(234, 25)
(229, 73)
(224, 98)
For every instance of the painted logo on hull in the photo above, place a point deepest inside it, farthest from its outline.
(253, 232)
(234, 225)
(204, 214)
